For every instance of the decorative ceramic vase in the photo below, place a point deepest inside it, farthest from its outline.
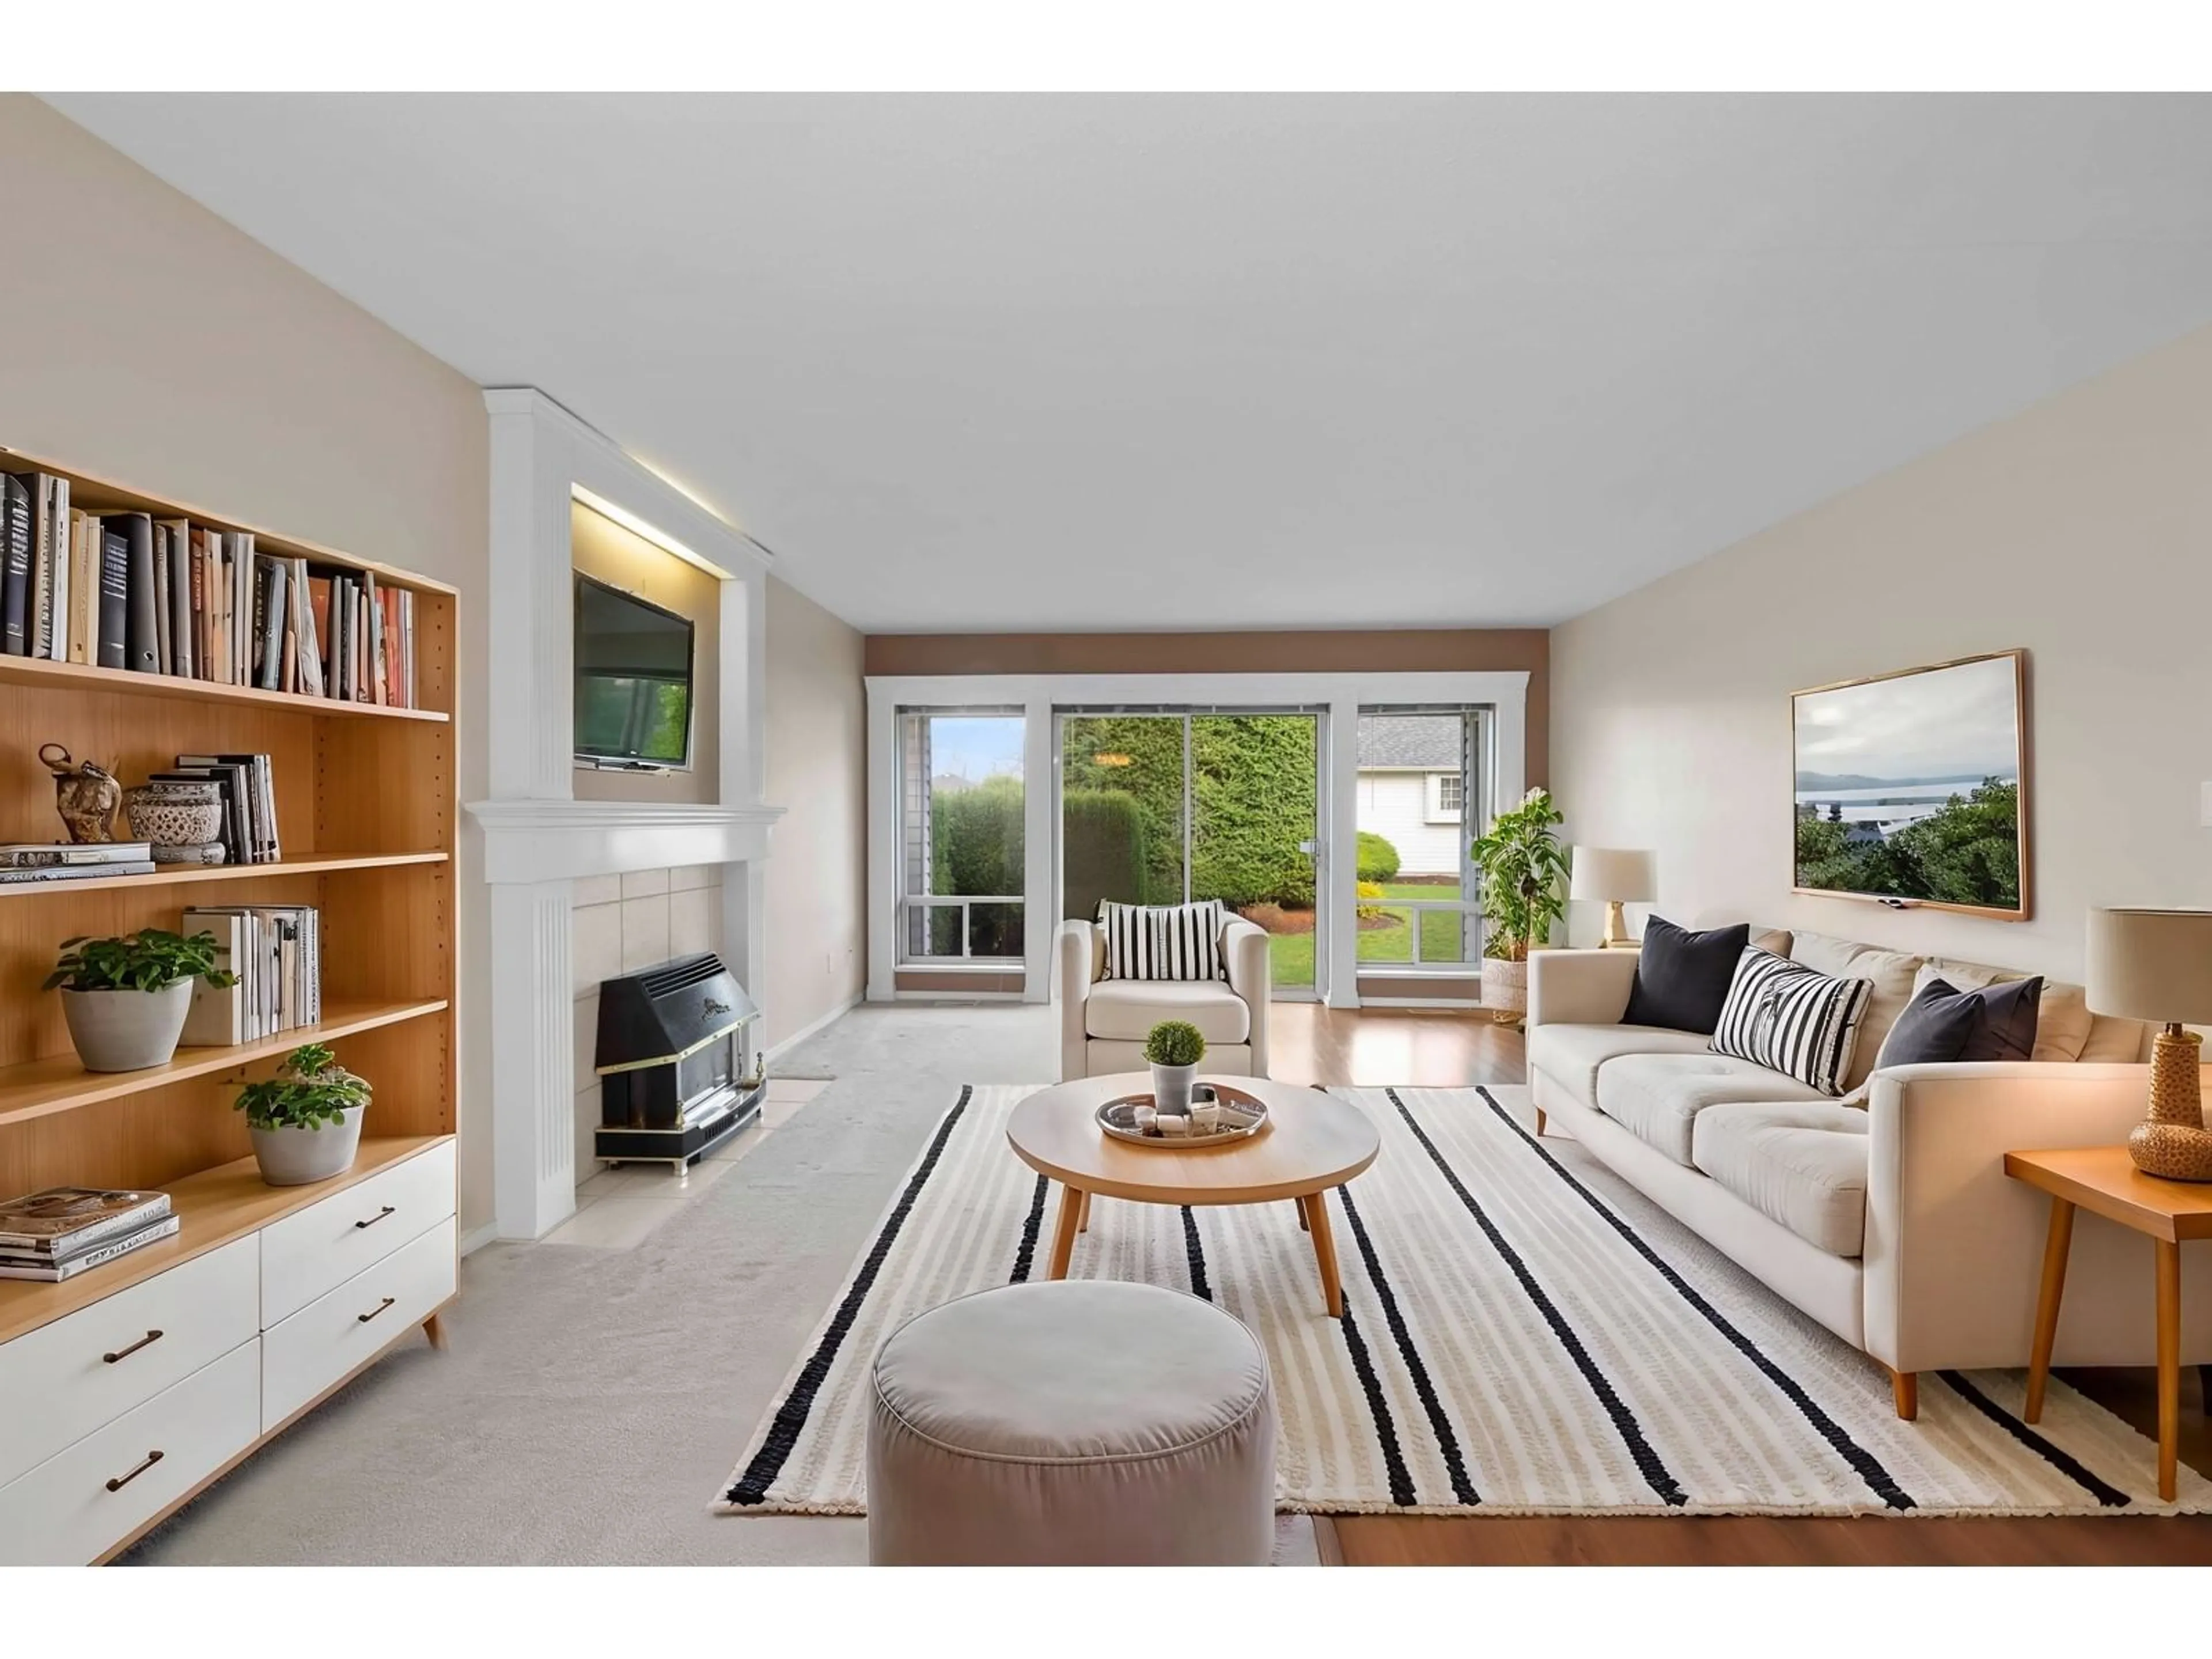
(174, 814)
(2173, 1143)
(293, 1157)
(1504, 990)
(85, 794)
(1171, 1088)
(127, 1030)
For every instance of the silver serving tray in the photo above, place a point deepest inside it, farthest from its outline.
(1242, 1115)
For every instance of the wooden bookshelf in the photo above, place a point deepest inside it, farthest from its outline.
(367, 814)
(215, 1206)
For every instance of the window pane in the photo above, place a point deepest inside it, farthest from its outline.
(1121, 811)
(1253, 789)
(1413, 833)
(961, 830)
(994, 930)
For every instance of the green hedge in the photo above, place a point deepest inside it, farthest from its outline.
(1378, 859)
(975, 838)
(1102, 847)
(1253, 777)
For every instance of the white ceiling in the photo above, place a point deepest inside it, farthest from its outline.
(1015, 362)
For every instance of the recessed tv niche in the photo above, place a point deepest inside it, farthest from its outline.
(1911, 786)
(633, 680)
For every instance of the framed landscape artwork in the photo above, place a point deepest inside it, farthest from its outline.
(1912, 788)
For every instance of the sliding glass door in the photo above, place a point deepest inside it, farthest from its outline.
(1160, 806)
(1422, 781)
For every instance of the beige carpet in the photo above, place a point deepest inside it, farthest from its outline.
(1523, 1334)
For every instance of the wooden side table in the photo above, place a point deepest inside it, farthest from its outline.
(2104, 1181)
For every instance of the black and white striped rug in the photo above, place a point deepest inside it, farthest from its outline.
(1522, 1332)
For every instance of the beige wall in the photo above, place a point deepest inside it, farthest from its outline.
(2081, 529)
(599, 547)
(1421, 650)
(817, 767)
(620, 924)
(151, 342)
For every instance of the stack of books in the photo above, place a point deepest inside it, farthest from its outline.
(249, 800)
(65, 1231)
(166, 596)
(38, 861)
(276, 951)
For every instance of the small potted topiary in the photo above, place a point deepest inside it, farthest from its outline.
(125, 998)
(1174, 1048)
(305, 1121)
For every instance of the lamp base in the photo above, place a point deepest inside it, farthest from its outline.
(1616, 927)
(2173, 1143)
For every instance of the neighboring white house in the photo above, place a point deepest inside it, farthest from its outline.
(1410, 789)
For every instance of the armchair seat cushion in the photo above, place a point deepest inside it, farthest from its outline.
(1659, 1097)
(1800, 1163)
(1128, 1009)
(1571, 1055)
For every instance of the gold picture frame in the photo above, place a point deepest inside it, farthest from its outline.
(1879, 857)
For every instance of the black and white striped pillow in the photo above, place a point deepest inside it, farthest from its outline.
(1163, 941)
(1792, 1019)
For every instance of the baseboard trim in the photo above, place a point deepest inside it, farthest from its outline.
(477, 1238)
(806, 1031)
(1458, 1005)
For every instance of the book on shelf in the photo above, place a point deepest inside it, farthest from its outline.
(22, 876)
(115, 591)
(61, 1221)
(15, 572)
(38, 854)
(276, 952)
(52, 1270)
(252, 779)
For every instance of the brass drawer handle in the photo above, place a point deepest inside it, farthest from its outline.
(373, 1219)
(125, 1353)
(378, 1309)
(122, 1481)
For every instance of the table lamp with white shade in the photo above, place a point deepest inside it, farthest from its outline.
(2156, 965)
(1614, 876)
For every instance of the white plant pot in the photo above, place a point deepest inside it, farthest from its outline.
(127, 1030)
(1504, 989)
(1171, 1087)
(293, 1157)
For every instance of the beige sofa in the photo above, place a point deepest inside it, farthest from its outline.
(1104, 1022)
(1892, 1221)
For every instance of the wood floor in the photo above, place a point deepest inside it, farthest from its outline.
(1309, 1043)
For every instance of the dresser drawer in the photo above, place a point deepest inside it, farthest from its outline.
(306, 1255)
(331, 1335)
(64, 1380)
(65, 1513)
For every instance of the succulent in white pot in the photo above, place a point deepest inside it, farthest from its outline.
(125, 998)
(304, 1122)
(1174, 1047)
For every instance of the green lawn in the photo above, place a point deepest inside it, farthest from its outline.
(1292, 954)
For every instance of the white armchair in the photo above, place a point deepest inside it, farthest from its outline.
(1104, 1022)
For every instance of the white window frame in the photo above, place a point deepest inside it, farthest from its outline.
(909, 904)
(1503, 691)
(1433, 810)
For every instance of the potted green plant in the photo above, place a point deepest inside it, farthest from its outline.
(1174, 1047)
(1524, 892)
(304, 1122)
(125, 998)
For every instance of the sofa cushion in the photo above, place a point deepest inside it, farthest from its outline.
(1802, 1164)
(1793, 1019)
(1893, 973)
(2062, 1019)
(1943, 1024)
(1130, 1008)
(1571, 1055)
(1657, 1098)
(1682, 977)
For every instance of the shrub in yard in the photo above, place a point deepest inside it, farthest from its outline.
(1102, 850)
(1378, 859)
(1371, 889)
(1253, 779)
(975, 838)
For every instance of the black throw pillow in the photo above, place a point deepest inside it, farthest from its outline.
(1943, 1024)
(1682, 978)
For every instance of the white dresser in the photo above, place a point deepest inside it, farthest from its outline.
(123, 1392)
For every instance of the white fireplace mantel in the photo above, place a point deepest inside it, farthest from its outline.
(533, 841)
(538, 840)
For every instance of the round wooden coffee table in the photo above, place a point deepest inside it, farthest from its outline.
(1312, 1142)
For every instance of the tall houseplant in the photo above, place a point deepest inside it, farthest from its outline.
(1524, 893)
(125, 998)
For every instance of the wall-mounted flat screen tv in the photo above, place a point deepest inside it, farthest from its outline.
(1912, 788)
(632, 679)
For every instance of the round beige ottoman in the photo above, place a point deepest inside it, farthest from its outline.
(1073, 1422)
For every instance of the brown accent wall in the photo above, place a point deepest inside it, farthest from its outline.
(957, 983)
(1424, 650)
